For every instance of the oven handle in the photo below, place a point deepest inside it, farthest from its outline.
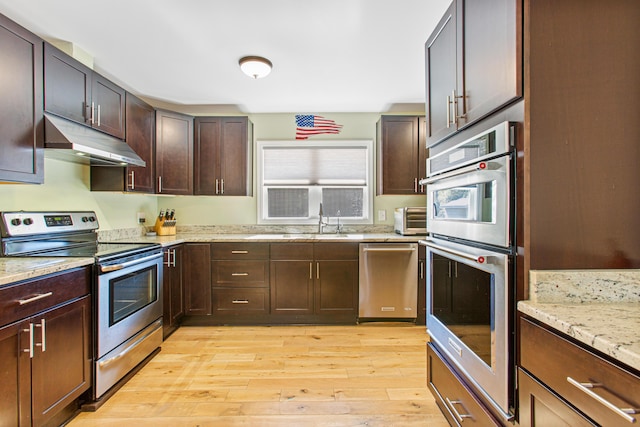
(485, 165)
(116, 267)
(480, 259)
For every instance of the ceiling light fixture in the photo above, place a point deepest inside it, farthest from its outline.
(255, 66)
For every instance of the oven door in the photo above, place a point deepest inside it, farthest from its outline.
(472, 203)
(129, 298)
(467, 314)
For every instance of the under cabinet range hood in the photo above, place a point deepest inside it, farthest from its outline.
(71, 141)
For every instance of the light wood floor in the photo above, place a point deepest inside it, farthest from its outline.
(371, 375)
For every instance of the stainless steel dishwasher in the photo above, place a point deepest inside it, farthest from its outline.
(388, 281)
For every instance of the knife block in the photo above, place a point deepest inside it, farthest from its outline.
(164, 227)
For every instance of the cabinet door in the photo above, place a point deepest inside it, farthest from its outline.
(398, 160)
(207, 146)
(234, 157)
(336, 287)
(108, 101)
(67, 86)
(423, 152)
(442, 76)
(61, 364)
(173, 293)
(540, 407)
(492, 57)
(15, 375)
(21, 138)
(197, 279)
(421, 317)
(174, 153)
(291, 287)
(140, 120)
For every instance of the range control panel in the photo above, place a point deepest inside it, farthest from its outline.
(25, 223)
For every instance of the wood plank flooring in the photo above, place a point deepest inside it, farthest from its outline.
(372, 375)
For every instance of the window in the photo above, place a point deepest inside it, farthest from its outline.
(294, 177)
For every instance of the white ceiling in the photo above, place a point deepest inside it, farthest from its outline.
(328, 56)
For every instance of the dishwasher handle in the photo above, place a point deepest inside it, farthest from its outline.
(394, 249)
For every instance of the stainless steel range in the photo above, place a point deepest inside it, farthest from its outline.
(127, 288)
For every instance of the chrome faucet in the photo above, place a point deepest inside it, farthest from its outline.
(339, 226)
(321, 222)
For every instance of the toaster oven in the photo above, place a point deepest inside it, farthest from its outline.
(410, 220)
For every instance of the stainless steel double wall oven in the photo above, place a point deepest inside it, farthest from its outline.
(127, 288)
(470, 262)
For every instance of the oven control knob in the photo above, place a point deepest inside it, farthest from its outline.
(85, 219)
(92, 219)
(16, 221)
(27, 221)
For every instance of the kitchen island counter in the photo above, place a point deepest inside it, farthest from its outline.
(600, 309)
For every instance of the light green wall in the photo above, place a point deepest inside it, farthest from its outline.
(66, 184)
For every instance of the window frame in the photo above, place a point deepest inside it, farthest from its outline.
(315, 195)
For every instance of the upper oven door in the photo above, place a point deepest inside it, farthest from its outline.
(129, 298)
(472, 203)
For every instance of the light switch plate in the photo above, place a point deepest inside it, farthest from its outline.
(382, 215)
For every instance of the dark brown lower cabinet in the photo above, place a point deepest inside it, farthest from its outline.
(45, 357)
(197, 278)
(540, 407)
(456, 401)
(173, 292)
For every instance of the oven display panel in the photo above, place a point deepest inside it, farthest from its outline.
(58, 220)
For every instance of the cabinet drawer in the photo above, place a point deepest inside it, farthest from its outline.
(456, 402)
(563, 365)
(245, 273)
(240, 251)
(241, 300)
(292, 251)
(28, 298)
(339, 251)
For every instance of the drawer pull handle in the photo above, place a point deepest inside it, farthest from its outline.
(34, 298)
(586, 388)
(240, 301)
(458, 415)
(239, 252)
(239, 274)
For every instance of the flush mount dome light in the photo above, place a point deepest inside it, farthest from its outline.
(255, 66)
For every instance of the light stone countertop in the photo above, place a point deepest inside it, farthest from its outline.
(14, 270)
(599, 308)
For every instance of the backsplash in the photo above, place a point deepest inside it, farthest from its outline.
(584, 286)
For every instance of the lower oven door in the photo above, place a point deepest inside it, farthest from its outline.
(129, 298)
(468, 315)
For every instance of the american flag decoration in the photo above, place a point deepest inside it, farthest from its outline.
(310, 124)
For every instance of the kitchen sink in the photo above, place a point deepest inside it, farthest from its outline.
(280, 236)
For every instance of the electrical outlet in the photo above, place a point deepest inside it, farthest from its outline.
(141, 218)
(382, 215)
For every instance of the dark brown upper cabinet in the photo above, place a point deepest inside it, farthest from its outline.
(140, 136)
(22, 135)
(223, 161)
(473, 64)
(174, 153)
(74, 91)
(402, 154)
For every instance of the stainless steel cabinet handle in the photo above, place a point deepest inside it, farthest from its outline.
(240, 301)
(34, 298)
(93, 112)
(239, 274)
(317, 270)
(586, 388)
(98, 115)
(30, 349)
(43, 336)
(458, 415)
(217, 187)
(159, 184)
(133, 181)
(310, 270)
(415, 185)
(448, 112)
(421, 266)
(222, 186)
(239, 252)
(171, 258)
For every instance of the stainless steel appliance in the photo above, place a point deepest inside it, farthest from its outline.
(388, 286)
(127, 291)
(410, 221)
(470, 263)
